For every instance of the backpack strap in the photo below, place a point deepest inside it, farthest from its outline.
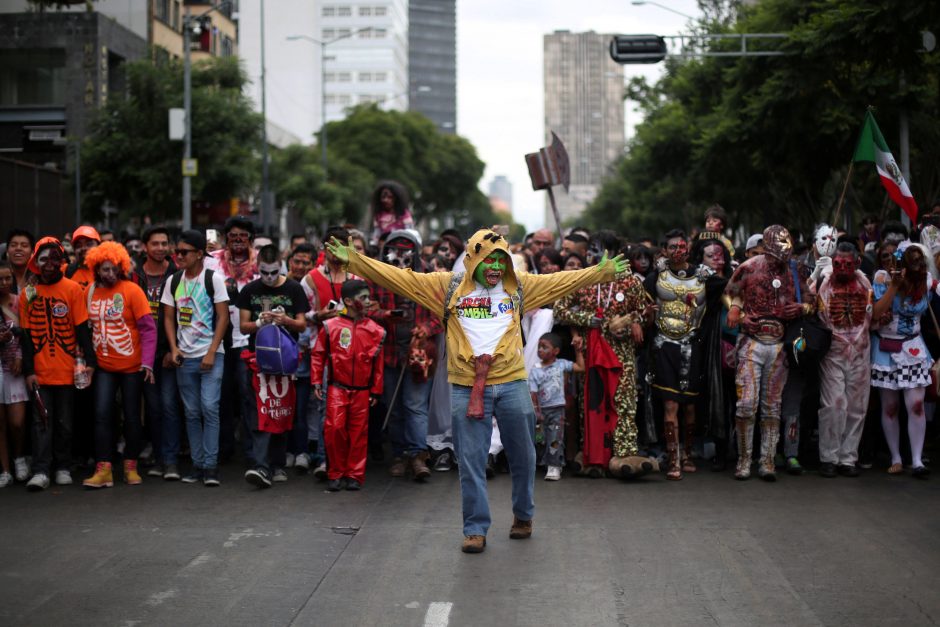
(175, 283)
(210, 288)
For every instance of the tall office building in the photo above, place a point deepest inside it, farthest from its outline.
(368, 59)
(432, 60)
(501, 189)
(584, 107)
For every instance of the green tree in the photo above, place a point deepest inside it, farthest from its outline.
(770, 138)
(129, 161)
(440, 171)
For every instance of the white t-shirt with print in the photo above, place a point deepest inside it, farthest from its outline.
(485, 314)
(194, 312)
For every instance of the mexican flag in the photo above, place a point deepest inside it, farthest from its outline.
(872, 147)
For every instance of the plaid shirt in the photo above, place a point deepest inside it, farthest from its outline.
(414, 315)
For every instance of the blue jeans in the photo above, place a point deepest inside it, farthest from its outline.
(170, 418)
(408, 423)
(106, 385)
(201, 391)
(511, 403)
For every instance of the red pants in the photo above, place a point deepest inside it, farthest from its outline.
(346, 431)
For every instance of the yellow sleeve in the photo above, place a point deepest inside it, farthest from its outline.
(542, 289)
(426, 289)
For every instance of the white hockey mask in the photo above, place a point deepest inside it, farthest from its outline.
(825, 240)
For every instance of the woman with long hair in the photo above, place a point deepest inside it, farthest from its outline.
(390, 209)
(900, 361)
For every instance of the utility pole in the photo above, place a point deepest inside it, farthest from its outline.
(266, 209)
(188, 107)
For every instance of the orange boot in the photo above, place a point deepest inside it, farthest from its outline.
(131, 477)
(102, 477)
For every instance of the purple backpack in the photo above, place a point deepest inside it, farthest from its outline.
(276, 351)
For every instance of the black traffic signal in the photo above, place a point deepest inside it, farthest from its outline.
(625, 49)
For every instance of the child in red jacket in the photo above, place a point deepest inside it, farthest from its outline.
(352, 344)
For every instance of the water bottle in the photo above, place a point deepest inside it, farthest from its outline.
(82, 379)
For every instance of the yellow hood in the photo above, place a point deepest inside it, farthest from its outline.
(484, 242)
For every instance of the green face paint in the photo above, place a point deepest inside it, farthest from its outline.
(491, 269)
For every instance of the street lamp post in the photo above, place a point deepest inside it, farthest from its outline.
(639, 3)
(323, 45)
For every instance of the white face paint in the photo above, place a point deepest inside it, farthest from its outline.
(826, 241)
(270, 272)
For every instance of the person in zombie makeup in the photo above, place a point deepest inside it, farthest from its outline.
(83, 239)
(610, 317)
(677, 348)
(124, 334)
(811, 267)
(481, 311)
(900, 361)
(763, 299)
(271, 299)
(351, 344)
(400, 316)
(53, 314)
(712, 261)
(844, 302)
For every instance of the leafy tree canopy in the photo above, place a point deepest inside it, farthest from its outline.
(771, 138)
(129, 161)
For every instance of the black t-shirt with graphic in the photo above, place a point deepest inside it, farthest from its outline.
(254, 296)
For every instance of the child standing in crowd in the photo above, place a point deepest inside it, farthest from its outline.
(13, 393)
(347, 341)
(547, 384)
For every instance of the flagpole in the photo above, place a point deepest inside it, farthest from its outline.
(845, 187)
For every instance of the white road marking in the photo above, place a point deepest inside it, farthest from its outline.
(438, 614)
(199, 560)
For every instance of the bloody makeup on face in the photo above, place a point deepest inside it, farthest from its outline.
(843, 267)
(360, 302)
(677, 250)
(714, 257)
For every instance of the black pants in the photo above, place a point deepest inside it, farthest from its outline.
(52, 436)
(106, 387)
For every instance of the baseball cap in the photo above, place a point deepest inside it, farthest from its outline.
(86, 231)
(754, 240)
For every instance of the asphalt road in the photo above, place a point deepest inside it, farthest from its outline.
(706, 550)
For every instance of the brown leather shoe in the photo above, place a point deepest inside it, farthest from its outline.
(521, 529)
(419, 467)
(397, 469)
(473, 544)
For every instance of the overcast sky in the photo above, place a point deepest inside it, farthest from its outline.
(499, 75)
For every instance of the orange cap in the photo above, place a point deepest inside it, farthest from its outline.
(33, 265)
(86, 231)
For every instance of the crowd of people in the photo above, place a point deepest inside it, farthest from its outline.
(169, 354)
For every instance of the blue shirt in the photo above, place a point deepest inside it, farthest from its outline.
(549, 382)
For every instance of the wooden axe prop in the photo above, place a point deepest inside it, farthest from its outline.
(547, 167)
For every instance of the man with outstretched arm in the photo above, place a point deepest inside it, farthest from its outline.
(484, 360)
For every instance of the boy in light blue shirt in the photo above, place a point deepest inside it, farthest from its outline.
(547, 384)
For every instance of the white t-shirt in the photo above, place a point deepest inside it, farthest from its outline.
(195, 312)
(211, 262)
(485, 314)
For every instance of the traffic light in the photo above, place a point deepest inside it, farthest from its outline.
(627, 49)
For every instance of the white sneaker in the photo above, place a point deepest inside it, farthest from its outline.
(290, 461)
(63, 477)
(38, 483)
(280, 476)
(553, 473)
(5, 479)
(320, 472)
(21, 469)
(302, 461)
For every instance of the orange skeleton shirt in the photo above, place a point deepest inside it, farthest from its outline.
(50, 313)
(114, 313)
